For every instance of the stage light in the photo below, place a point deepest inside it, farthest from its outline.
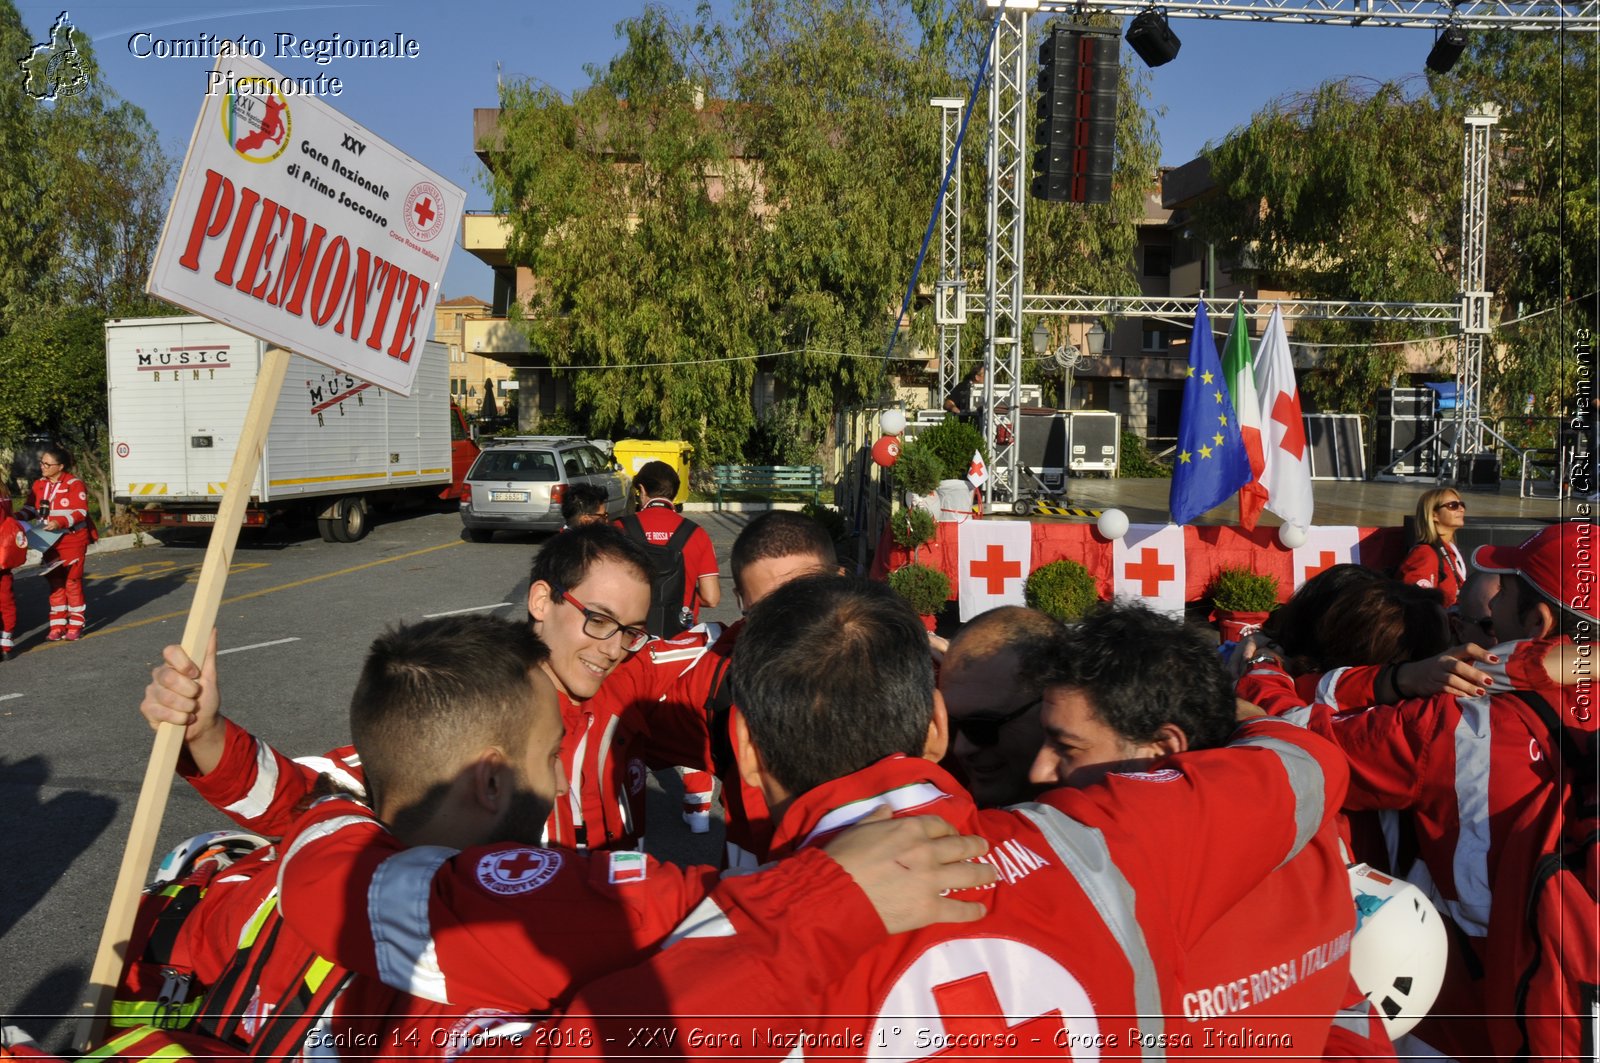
(1447, 48)
(1150, 36)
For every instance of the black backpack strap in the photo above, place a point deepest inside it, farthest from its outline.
(680, 538)
(1560, 737)
(633, 529)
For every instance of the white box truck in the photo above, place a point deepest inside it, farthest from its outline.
(178, 391)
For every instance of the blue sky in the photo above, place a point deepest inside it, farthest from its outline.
(1225, 72)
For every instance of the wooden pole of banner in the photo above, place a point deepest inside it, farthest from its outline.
(109, 958)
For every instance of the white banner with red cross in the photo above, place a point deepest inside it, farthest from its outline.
(1147, 565)
(1324, 548)
(995, 558)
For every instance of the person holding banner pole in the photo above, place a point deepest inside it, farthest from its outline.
(60, 502)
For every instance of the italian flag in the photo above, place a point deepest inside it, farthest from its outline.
(1241, 378)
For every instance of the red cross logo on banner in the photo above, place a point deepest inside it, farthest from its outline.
(1150, 573)
(424, 209)
(972, 1016)
(1286, 411)
(1325, 560)
(994, 569)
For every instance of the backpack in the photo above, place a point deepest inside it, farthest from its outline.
(668, 615)
(1554, 962)
(13, 544)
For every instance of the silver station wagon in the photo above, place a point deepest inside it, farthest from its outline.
(518, 482)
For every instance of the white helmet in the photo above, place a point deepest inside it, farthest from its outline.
(1397, 955)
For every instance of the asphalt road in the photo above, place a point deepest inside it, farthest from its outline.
(297, 617)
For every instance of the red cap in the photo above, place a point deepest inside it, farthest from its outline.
(1560, 562)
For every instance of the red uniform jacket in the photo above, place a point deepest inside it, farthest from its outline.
(505, 925)
(1425, 567)
(65, 507)
(1478, 775)
(1101, 892)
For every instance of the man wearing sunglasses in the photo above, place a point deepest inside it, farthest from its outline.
(1033, 705)
(992, 686)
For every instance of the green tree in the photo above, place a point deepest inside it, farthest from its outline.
(1343, 193)
(1353, 191)
(1544, 204)
(781, 219)
(83, 190)
(624, 204)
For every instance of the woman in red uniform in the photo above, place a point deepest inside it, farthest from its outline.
(61, 502)
(1435, 561)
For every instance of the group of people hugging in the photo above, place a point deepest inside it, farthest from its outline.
(1095, 840)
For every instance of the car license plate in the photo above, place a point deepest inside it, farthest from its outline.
(508, 496)
(200, 518)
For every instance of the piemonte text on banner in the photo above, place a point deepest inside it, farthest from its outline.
(297, 225)
(1211, 463)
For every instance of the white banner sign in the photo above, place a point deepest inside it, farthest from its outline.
(299, 226)
(1148, 564)
(995, 559)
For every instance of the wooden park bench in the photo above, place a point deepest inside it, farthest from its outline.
(768, 478)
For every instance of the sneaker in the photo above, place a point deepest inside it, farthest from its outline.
(56, 634)
(73, 634)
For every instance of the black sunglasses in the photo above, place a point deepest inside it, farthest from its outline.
(1451, 505)
(984, 731)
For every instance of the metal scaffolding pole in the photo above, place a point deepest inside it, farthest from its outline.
(1475, 325)
(1002, 328)
(949, 300)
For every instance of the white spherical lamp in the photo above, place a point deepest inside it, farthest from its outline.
(893, 422)
(1113, 524)
(1292, 536)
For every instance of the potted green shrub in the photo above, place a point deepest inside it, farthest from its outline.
(911, 526)
(919, 471)
(1062, 589)
(1241, 600)
(925, 587)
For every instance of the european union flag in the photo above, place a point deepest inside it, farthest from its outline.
(1211, 463)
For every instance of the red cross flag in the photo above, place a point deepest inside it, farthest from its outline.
(1288, 460)
(995, 558)
(977, 472)
(1147, 565)
(1324, 548)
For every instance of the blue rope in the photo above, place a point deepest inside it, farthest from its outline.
(944, 186)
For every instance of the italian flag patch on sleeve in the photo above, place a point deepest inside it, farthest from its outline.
(627, 867)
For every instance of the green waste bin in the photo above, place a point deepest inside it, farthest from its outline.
(632, 454)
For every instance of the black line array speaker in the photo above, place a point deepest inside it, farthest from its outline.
(1076, 137)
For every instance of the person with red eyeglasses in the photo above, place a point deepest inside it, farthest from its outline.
(60, 502)
(1435, 561)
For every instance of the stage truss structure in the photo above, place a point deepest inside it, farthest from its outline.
(1005, 304)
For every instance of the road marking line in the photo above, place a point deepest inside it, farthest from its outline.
(263, 591)
(8, 697)
(469, 609)
(257, 646)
